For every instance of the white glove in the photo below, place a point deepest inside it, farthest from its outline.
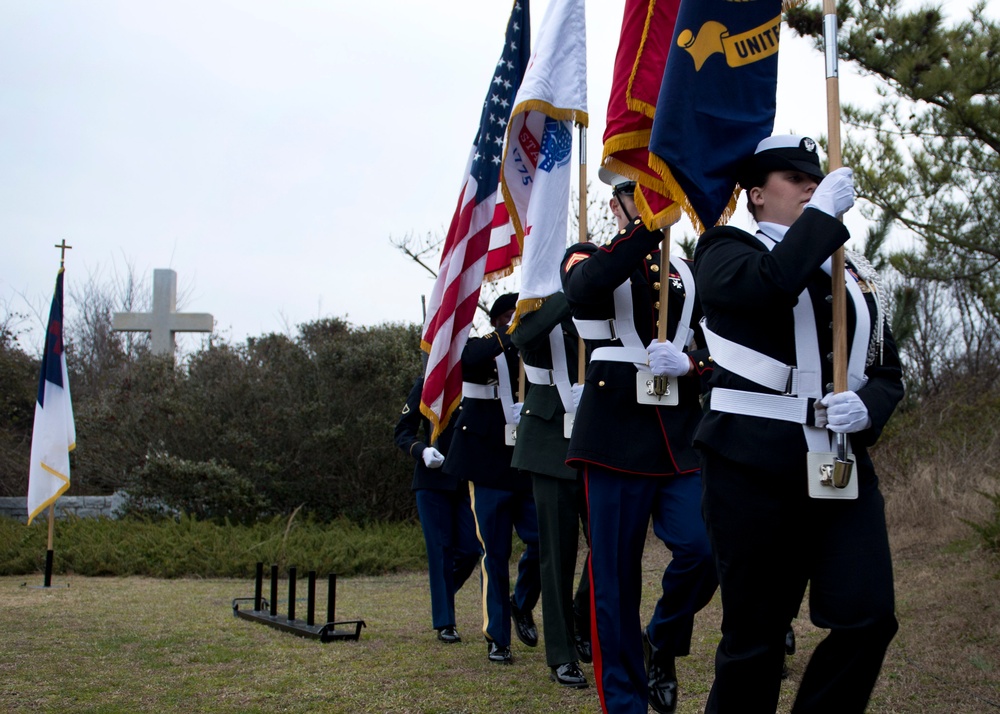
(432, 458)
(842, 413)
(665, 359)
(835, 194)
(577, 391)
(517, 412)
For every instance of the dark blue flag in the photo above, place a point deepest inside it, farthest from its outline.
(716, 101)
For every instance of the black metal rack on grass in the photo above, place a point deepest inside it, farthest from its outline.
(265, 611)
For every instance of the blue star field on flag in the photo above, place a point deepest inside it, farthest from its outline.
(498, 104)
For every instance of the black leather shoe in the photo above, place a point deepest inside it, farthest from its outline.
(569, 675)
(524, 625)
(499, 655)
(449, 635)
(662, 678)
(583, 648)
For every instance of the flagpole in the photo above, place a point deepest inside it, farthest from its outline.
(661, 327)
(838, 286)
(582, 220)
(50, 548)
(49, 552)
(50, 544)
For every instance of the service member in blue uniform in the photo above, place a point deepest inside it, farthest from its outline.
(549, 345)
(501, 497)
(445, 514)
(773, 522)
(637, 458)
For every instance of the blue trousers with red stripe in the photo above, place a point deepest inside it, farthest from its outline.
(620, 507)
(498, 514)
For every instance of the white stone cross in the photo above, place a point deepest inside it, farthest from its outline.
(162, 323)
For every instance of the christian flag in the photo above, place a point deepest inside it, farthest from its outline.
(54, 434)
(716, 102)
(479, 216)
(537, 168)
(643, 45)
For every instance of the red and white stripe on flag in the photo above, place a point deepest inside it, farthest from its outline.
(480, 241)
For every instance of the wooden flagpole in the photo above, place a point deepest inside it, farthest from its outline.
(49, 552)
(50, 547)
(661, 382)
(581, 371)
(838, 286)
(661, 327)
(839, 290)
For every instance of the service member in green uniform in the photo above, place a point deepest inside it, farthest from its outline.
(548, 344)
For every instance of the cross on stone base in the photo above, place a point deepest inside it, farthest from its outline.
(163, 323)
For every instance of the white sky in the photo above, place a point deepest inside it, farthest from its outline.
(266, 151)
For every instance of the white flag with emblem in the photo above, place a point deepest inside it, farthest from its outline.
(537, 165)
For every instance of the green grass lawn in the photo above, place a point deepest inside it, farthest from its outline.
(141, 644)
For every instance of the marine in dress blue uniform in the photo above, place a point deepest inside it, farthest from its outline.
(769, 536)
(638, 462)
(501, 497)
(445, 514)
(548, 344)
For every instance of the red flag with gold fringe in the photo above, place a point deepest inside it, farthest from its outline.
(647, 30)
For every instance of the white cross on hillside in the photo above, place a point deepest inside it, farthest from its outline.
(162, 323)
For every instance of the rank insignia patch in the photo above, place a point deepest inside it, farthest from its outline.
(574, 259)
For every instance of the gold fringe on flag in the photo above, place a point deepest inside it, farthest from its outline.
(675, 192)
(523, 308)
(638, 105)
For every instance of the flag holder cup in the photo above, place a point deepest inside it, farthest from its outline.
(266, 611)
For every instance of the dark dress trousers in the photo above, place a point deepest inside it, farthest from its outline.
(444, 510)
(501, 497)
(768, 535)
(558, 489)
(638, 463)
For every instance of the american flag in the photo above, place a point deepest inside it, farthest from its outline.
(480, 240)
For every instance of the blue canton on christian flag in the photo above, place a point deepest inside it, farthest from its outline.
(716, 102)
(537, 166)
(54, 434)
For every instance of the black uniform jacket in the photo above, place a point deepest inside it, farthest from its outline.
(407, 437)
(748, 293)
(478, 451)
(541, 446)
(611, 428)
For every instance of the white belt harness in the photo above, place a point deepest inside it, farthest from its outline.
(622, 327)
(501, 391)
(558, 376)
(801, 385)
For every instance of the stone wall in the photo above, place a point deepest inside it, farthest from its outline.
(81, 506)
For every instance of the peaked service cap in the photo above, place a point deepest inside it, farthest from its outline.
(781, 152)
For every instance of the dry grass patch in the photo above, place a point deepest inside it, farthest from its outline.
(148, 645)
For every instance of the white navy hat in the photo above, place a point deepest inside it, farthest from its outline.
(616, 181)
(782, 152)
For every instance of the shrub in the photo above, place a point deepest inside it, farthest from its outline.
(185, 547)
(205, 490)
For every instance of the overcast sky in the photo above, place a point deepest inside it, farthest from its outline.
(267, 151)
